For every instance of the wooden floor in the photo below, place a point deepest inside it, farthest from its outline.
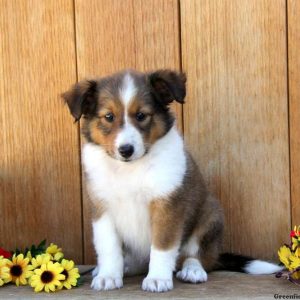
(220, 285)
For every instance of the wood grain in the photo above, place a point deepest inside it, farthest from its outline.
(294, 104)
(235, 119)
(40, 176)
(114, 35)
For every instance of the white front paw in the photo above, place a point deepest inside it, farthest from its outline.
(192, 273)
(95, 272)
(157, 285)
(101, 282)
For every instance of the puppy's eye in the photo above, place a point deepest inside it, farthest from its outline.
(109, 117)
(140, 116)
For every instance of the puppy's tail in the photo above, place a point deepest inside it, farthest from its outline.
(246, 264)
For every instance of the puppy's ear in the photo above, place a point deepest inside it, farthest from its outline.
(81, 98)
(168, 86)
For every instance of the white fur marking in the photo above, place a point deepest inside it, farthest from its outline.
(100, 283)
(259, 267)
(109, 252)
(95, 271)
(192, 271)
(157, 285)
(128, 90)
(129, 134)
(161, 267)
(127, 188)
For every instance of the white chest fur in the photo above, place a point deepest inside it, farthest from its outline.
(127, 188)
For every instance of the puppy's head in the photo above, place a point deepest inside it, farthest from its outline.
(126, 113)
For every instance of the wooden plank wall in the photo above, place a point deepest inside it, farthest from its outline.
(294, 100)
(242, 62)
(39, 173)
(235, 119)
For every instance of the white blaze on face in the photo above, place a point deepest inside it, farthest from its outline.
(129, 135)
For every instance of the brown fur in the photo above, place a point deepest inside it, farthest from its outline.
(103, 132)
(97, 208)
(166, 227)
(80, 98)
(153, 127)
(158, 129)
(190, 212)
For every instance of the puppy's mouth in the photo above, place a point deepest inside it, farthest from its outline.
(127, 159)
(133, 158)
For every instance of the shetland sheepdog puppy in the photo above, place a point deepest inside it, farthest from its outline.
(151, 210)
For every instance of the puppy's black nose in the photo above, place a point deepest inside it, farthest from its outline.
(126, 150)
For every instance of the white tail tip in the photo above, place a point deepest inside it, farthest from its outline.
(259, 267)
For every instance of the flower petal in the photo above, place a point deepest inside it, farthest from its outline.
(51, 287)
(38, 288)
(61, 277)
(23, 281)
(67, 285)
(38, 271)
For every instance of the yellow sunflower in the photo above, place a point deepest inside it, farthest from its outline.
(296, 245)
(296, 275)
(55, 252)
(295, 263)
(19, 270)
(39, 260)
(297, 230)
(71, 274)
(47, 277)
(284, 254)
(4, 271)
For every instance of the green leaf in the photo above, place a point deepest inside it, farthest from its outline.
(42, 244)
(35, 250)
(80, 281)
(17, 251)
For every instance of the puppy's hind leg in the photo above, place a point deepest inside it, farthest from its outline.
(191, 269)
(201, 254)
